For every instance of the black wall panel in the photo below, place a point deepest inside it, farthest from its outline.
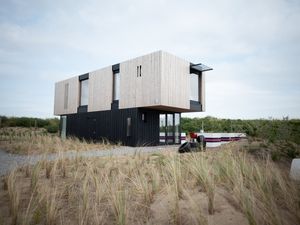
(112, 125)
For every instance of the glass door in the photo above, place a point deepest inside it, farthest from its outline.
(177, 131)
(162, 128)
(169, 128)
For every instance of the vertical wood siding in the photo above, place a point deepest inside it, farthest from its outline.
(202, 89)
(112, 125)
(144, 90)
(73, 96)
(175, 83)
(100, 89)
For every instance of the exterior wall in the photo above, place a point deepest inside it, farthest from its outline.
(202, 90)
(175, 82)
(72, 100)
(144, 90)
(112, 125)
(100, 89)
(164, 84)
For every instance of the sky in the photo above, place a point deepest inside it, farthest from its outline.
(252, 46)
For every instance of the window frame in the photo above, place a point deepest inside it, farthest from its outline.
(80, 92)
(199, 86)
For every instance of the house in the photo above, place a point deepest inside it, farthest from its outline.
(136, 102)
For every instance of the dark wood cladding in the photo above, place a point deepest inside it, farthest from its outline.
(112, 125)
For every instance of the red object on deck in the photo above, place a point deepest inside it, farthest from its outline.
(193, 135)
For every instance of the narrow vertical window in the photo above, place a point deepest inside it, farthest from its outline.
(128, 130)
(144, 117)
(140, 70)
(116, 86)
(84, 92)
(194, 81)
(66, 96)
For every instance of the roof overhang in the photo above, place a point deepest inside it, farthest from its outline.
(199, 68)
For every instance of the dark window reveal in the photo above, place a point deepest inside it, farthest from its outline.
(139, 71)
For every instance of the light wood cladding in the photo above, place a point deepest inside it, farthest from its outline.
(164, 84)
(73, 96)
(100, 89)
(144, 90)
(202, 90)
(175, 83)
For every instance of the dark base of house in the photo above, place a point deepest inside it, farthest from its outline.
(131, 127)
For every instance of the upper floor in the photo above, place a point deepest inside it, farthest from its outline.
(158, 80)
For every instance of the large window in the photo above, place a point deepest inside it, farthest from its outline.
(84, 92)
(116, 87)
(194, 80)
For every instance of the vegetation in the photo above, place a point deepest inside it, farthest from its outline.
(266, 129)
(51, 125)
(277, 138)
(33, 141)
(217, 187)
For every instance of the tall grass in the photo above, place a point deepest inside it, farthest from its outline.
(125, 190)
(14, 196)
(31, 141)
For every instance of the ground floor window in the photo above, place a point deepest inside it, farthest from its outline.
(169, 128)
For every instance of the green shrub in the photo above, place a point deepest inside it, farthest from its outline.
(52, 128)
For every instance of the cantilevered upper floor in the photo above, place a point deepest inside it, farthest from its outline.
(158, 80)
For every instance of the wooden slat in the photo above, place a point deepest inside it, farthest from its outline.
(73, 96)
(100, 89)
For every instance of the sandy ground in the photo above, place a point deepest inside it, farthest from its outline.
(226, 210)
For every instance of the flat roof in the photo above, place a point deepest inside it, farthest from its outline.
(200, 67)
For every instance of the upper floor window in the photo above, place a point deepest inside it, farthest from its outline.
(116, 86)
(194, 80)
(84, 92)
(66, 96)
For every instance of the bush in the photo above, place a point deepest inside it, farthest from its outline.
(51, 125)
(52, 128)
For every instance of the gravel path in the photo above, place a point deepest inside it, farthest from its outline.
(10, 161)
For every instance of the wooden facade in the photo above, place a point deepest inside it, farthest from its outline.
(158, 82)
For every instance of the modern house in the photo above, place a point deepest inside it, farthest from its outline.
(136, 102)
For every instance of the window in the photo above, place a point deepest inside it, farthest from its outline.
(84, 92)
(139, 71)
(177, 128)
(194, 80)
(128, 130)
(66, 96)
(116, 86)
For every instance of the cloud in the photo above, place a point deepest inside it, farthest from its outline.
(253, 47)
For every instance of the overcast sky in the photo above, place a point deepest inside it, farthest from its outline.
(253, 47)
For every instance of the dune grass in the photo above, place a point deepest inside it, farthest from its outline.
(20, 140)
(130, 190)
